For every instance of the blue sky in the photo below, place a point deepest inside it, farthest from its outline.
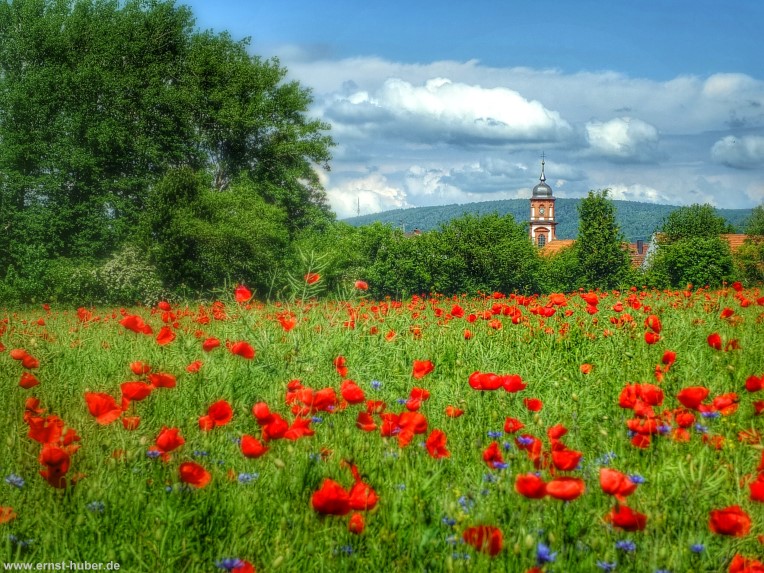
(453, 102)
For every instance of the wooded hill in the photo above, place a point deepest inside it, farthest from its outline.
(636, 220)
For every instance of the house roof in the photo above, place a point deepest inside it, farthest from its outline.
(554, 247)
(735, 240)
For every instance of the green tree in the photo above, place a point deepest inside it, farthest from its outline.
(698, 261)
(693, 221)
(603, 261)
(755, 224)
(199, 238)
(100, 99)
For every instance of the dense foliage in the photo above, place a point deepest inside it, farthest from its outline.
(100, 100)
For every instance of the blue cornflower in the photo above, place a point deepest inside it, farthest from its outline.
(495, 434)
(500, 465)
(466, 503)
(605, 459)
(246, 478)
(490, 478)
(230, 563)
(544, 554)
(664, 429)
(96, 506)
(524, 441)
(605, 566)
(710, 414)
(316, 419)
(153, 453)
(200, 453)
(401, 400)
(450, 521)
(697, 548)
(637, 479)
(376, 384)
(15, 480)
(346, 549)
(507, 446)
(626, 545)
(701, 428)
(401, 486)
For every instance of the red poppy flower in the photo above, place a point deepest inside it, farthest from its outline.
(131, 422)
(300, 428)
(243, 349)
(485, 538)
(512, 425)
(362, 496)
(422, 368)
(18, 353)
(28, 380)
(218, 414)
(331, 499)
(453, 412)
(565, 488)
(140, 368)
(340, 364)
(732, 520)
(566, 460)
(7, 514)
(436, 444)
(754, 383)
(652, 337)
(242, 294)
(194, 367)
(740, 564)
(533, 404)
(513, 383)
(57, 461)
(252, 447)
(616, 483)
(194, 474)
(351, 392)
(210, 344)
(169, 439)
(485, 381)
(365, 422)
(669, 357)
(356, 524)
(692, 396)
(492, 455)
(136, 324)
(135, 390)
(715, 341)
(530, 486)
(312, 278)
(361, 285)
(162, 380)
(103, 407)
(653, 323)
(627, 519)
(757, 489)
(165, 336)
(585, 368)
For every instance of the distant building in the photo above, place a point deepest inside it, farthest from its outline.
(542, 223)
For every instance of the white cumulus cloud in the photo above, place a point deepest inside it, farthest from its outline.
(623, 138)
(373, 193)
(739, 152)
(441, 111)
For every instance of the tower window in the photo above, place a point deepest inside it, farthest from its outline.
(542, 240)
(541, 210)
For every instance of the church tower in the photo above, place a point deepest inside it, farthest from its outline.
(542, 221)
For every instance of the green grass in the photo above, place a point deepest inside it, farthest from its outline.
(152, 522)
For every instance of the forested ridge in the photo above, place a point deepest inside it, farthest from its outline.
(637, 220)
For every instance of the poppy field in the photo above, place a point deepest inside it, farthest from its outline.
(585, 432)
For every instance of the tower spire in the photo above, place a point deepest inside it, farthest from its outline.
(543, 177)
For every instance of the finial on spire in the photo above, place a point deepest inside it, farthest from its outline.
(543, 177)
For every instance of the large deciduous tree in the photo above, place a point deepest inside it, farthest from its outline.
(602, 259)
(99, 99)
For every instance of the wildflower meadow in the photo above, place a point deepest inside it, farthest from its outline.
(582, 432)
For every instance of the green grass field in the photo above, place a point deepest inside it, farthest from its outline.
(122, 503)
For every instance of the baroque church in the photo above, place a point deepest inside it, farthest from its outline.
(542, 223)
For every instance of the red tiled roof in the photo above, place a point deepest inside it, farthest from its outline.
(735, 240)
(554, 247)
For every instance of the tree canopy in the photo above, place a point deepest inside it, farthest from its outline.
(100, 99)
